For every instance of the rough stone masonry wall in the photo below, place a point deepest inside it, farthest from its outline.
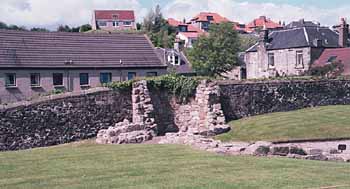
(201, 115)
(66, 118)
(254, 98)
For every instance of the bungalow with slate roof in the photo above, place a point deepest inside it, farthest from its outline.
(291, 52)
(36, 63)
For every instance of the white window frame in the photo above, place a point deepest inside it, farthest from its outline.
(14, 84)
(37, 76)
(298, 64)
(270, 66)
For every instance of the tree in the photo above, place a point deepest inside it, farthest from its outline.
(158, 29)
(63, 28)
(217, 52)
(247, 41)
(85, 28)
(39, 29)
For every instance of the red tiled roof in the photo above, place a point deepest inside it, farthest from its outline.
(190, 27)
(173, 22)
(203, 17)
(338, 54)
(261, 22)
(121, 14)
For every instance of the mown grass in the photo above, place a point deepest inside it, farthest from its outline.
(311, 123)
(88, 165)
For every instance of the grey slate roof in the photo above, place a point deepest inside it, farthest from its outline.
(301, 23)
(20, 49)
(301, 37)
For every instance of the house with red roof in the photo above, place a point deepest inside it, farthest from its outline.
(262, 22)
(204, 19)
(113, 20)
(330, 56)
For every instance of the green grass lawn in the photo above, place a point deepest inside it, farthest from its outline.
(312, 123)
(88, 165)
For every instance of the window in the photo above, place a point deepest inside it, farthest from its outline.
(57, 79)
(115, 16)
(210, 18)
(331, 59)
(35, 79)
(271, 60)
(105, 77)
(84, 79)
(127, 23)
(152, 74)
(115, 23)
(131, 75)
(300, 60)
(177, 60)
(102, 23)
(183, 28)
(10, 80)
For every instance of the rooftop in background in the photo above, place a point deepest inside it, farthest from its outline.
(19, 49)
(190, 27)
(330, 55)
(301, 37)
(302, 23)
(115, 14)
(262, 22)
(210, 17)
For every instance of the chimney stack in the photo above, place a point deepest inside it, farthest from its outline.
(265, 35)
(343, 33)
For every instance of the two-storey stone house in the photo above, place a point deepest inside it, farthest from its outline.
(290, 52)
(38, 63)
(113, 20)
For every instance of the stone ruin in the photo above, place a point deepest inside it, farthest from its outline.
(143, 126)
(201, 118)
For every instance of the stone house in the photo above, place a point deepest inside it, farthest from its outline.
(204, 19)
(113, 20)
(37, 63)
(290, 52)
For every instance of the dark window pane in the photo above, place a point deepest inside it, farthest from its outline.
(131, 75)
(35, 79)
(105, 78)
(151, 74)
(58, 79)
(10, 79)
(84, 79)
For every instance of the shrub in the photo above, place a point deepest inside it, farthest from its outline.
(180, 86)
(332, 70)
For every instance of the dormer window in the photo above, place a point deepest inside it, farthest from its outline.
(210, 18)
(331, 59)
(115, 17)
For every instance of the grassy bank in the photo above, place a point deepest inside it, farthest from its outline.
(312, 123)
(160, 166)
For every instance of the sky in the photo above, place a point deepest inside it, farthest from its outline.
(51, 13)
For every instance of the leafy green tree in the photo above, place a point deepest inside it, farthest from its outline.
(3, 25)
(217, 52)
(85, 28)
(158, 29)
(247, 41)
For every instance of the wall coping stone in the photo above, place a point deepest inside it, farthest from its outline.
(5, 107)
(248, 82)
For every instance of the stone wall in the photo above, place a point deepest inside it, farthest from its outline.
(243, 99)
(62, 118)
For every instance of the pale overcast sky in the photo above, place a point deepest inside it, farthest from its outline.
(51, 13)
